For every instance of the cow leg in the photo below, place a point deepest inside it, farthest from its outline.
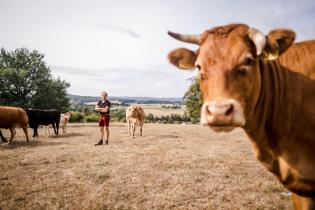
(133, 126)
(35, 131)
(26, 133)
(128, 125)
(47, 129)
(57, 126)
(53, 125)
(2, 137)
(303, 203)
(12, 131)
(141, 129)
(63, 129)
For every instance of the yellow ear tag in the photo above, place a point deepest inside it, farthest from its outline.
(272, 55)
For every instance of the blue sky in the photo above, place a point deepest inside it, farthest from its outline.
(121, 46)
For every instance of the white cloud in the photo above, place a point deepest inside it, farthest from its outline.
(126, 31)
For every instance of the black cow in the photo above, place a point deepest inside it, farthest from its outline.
(38, 117)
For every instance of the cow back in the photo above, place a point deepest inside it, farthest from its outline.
(10, 116)
(43, 117)
(300, 58)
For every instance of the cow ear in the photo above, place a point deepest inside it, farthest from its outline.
(182, 58)
(278, 41)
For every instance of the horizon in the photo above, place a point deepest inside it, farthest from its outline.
(102, 45)
(109, 96)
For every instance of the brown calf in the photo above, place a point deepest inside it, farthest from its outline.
(134, 116)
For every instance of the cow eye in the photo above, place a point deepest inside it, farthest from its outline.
(242, 72)
(247, 62)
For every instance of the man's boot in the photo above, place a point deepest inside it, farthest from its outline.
(106, 142)
(99, 143)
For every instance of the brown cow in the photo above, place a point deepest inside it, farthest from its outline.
(10, 118)
(134, 116)
(275, 106)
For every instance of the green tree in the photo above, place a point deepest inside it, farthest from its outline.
(193, 101)
(26, 81)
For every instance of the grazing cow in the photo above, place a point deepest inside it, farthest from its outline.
(134, 116)
(10, 118)
(43, 117)
(64, 119)
(275, 106)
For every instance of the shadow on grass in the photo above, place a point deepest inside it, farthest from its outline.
(31, 143)
(66, 135)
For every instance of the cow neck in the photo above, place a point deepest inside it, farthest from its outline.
(261, 121)
(281, 109)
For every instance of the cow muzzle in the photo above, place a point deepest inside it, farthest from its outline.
(222, 115)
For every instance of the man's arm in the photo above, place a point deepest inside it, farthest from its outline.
(97, 108)
(104, 109)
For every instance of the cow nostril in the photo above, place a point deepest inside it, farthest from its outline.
(229, 110)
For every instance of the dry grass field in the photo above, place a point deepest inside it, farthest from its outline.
(158, 110)
(170, 167)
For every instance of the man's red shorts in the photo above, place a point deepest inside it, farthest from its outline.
(104, 121)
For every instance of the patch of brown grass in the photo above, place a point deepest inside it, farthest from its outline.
(171, 167)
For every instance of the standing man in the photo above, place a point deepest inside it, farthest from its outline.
(103, 107)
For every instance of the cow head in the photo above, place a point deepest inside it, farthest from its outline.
(67, 116)
(227, 60)
(132, 111)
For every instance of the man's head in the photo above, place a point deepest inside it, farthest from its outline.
(227, 60)
(104, 95)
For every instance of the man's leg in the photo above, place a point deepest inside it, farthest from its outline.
(107, 134)
(102, 132)
(102, 135)
(101, 124)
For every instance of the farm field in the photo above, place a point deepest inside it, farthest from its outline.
(170, 167)
(157, 109)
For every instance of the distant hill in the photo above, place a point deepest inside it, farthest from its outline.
(143, 100)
